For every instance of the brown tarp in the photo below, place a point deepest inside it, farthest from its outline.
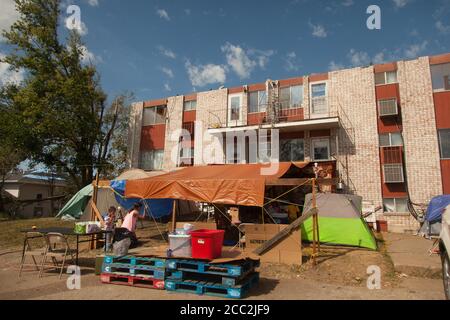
(237, 184)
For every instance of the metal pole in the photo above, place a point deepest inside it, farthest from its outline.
(314, 222)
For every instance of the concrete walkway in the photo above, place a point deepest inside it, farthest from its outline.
(410, 255)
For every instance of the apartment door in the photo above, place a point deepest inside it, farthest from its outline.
(235, 116)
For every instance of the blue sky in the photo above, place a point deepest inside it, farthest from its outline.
(163, 48)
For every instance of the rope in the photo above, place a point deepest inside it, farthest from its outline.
(150, 212)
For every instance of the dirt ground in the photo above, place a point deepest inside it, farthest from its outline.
(341, 273)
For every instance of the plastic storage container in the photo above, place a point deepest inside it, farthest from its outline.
(207, 244)
(180, 245)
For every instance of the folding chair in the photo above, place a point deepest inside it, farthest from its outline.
(57, 247)
(37, 239)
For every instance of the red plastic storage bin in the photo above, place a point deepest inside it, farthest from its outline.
(207, 244)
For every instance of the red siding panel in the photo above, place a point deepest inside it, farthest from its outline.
(445, 170)
(255, 118)
(385, 67)
(442, 107)
(153, 137)
(189, 116)
(154, 103)
(443, 58)
(320, 133)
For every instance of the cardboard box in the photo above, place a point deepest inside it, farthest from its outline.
(288, 250)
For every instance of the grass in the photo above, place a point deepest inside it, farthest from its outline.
(12, 238)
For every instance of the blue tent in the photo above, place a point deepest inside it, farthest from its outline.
(433, 217)
(436, 208)
(158, 208)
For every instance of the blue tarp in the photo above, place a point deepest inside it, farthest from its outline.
(436, 208)
(158, 207)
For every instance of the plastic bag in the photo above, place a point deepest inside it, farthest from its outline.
(120, 248)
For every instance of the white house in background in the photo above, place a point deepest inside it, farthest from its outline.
(36, 193)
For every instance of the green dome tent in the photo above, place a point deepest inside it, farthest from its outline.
(340, 221)
(74, 208)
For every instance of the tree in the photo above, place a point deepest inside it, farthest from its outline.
(60, 103)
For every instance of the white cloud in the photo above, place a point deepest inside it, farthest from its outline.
(318, 30)
(168, 72)
(187, 11)
(167, 52)
(238, 60)
(347, 3)
(358, 58)
(442, 28)
(333, 66)
(378, 58)
(163, 14)
(291, 63)
(7, 75)
(8, 15)
(415, 50)
(201, 75)
(93, 3)
(167, 87)
(401, 3)
(243, 62)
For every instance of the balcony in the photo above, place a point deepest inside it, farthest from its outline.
(261, 118)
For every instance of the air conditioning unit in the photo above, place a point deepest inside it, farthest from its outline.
(388, 107)
(393, 173)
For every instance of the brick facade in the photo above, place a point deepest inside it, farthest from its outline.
(419, 130)
(352, 95)
(134, 134)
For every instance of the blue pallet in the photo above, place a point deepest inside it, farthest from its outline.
(134, 270)
(211, 288)
(195, 266)
(131, 260)
(227, 281)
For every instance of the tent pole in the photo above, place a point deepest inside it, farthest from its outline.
(94, 241)
(314, 222)
(174, 215)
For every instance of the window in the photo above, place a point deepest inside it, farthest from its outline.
(320, 149)
(318, 98)
(154, 115)
(393, 173)
(39, 196)
(444, 143)
(152, 160)
(257, 101)
(395, 205)
(291, 97)
(440, 74)
(385, 77)
(292, 150)
(190, 105)
(235, 110)
(387, 107)
(186, 157)
(391, 139)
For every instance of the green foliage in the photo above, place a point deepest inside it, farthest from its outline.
(59, 116)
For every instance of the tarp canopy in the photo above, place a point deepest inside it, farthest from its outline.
(436, 208)
(237, 184)
(75, 206)
(433, 218)
(340, 221)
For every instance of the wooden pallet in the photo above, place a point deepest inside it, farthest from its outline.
(212, 288)
(131, 260)
(134, 270)
(133, 281)
(232, 270)
(227, 281)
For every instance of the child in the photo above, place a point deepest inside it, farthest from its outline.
(109, 226)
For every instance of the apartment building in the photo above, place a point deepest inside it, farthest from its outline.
(385, 129)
